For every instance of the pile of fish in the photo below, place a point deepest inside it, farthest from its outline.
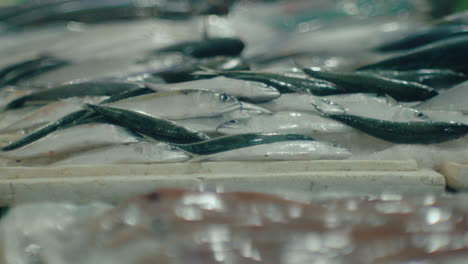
(206, 99)
(177, 226)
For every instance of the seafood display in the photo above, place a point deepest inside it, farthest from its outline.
(198, 82)
(180, 226)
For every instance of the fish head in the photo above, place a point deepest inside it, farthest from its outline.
(234, 126)
(172, 153)
(220, 103)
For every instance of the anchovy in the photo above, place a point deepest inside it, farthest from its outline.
(284, 83)
(78, 138)
(435, 78)
(283, 150)
(158, 129)
(244, 90)
(424, 37)
(184, 72)
(207, 47)
(134, 153)
(419, 132)
(49, 113)
(128, 94)
(46, 130)
(97, 11)
(95, 88)
(363, 82)
(174, 105)
(283, 122)
(13, 74)
(159, 109)
(226, 143)
(445, 54)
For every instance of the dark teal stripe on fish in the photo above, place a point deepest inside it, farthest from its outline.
(446, 54)
(184, 72)
(435, 78)
(364, 82)
(128, 94)
(44, 131)
(96, 88)
(24, 70)
(226, 143)
(405, 132)
(158, 129)
(72, 119)
(424, 37)
(284, 83)
(207, 48)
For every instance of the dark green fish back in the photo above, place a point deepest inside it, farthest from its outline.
(44, 131)
(226, 143)
(364, 82)
(286, 84)
(445, 54)
(208, 48)
(435, 78)
(159, 129)
(75, 89)
(405, 132)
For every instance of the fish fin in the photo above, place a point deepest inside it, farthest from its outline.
(391, 100)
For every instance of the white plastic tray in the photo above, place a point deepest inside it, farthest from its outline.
(294, 179)
(456, 175)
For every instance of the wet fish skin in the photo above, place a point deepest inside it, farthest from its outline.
(244, 90)
(184, 72)
(134, 153)
(128, 94)
(91, 88)
(435, 78)
(207, 47)
(404, 132)
(445, 54)
(226, 143)
(44, 131)
(424, 37)
(168, 104)
(283, 122)
(284, 83)
(27, 69)
(284, 150)
(77, 138)
(362, 82)
(49, 113)
(158, 129)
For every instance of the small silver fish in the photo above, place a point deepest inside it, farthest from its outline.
(245, 90)
(72, 139)
(284, 122)
(136, 153)
(285, 150)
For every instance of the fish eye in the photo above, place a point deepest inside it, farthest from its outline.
(223, 97)
(421, 114)
(172, 147)
(233, 121)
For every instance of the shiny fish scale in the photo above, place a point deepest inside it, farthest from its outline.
(226, 143)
